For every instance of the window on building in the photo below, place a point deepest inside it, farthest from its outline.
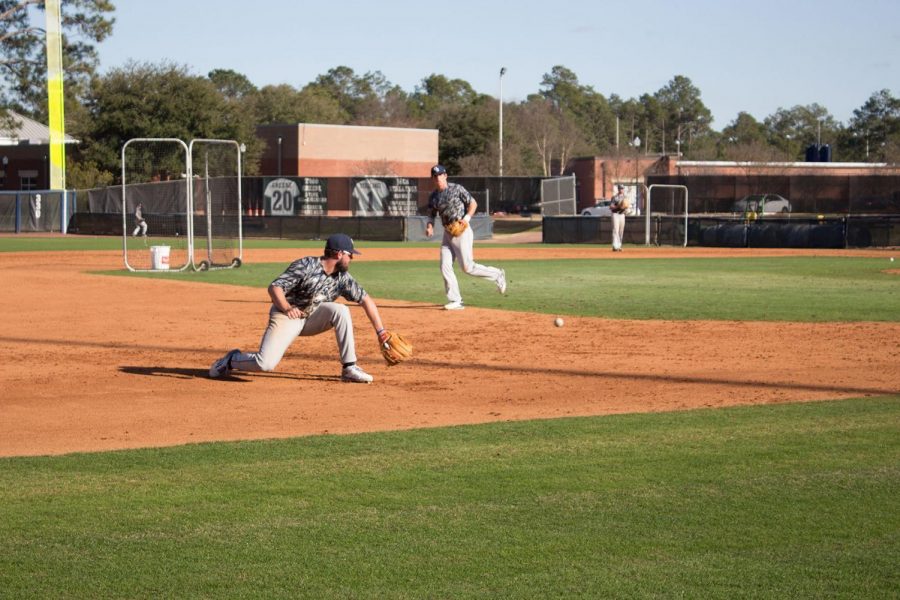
(28, 180)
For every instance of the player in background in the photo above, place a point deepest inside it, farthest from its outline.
(140, 224)
(452, 202)
(303, 305)
(619, 207)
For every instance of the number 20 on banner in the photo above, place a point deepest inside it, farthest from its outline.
(282, 197)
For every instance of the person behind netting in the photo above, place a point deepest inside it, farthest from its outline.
(140, 223)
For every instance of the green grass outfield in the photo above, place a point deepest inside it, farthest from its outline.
(807, 289)
(803, 289)
(787, 501)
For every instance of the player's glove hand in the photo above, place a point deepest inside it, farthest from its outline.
(456, 228)
(394, 348)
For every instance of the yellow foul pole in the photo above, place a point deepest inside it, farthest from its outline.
(55, 96)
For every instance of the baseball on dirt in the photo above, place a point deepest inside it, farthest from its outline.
(558, 322)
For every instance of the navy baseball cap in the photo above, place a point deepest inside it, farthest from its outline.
(341, 242)
(438, 170)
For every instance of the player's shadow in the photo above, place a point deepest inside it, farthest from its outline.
(243, 377)
(380, 304)
(411, 307)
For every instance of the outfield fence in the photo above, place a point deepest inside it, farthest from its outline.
(36, 211)
(699, 230)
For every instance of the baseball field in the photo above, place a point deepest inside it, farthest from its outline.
(706, 423)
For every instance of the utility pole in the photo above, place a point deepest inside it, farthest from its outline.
(502, 73)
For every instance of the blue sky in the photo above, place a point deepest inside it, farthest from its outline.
(743, 56)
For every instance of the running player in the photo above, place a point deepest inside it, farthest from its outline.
(452, 202)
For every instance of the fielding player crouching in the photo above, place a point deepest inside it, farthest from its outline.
(303, 305)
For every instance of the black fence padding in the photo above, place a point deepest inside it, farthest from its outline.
(763, 235)
(826, 235)
(96, 224)
(590, 230)
(726, 235)
(797, 235)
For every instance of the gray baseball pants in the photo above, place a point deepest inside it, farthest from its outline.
(461, 249)
(618, 230)
(282, 330)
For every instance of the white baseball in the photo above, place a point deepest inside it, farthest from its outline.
(892, 259)
(558, 322)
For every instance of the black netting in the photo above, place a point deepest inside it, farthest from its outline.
(827, 194)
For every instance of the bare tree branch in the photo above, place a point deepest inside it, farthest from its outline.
(20, 6)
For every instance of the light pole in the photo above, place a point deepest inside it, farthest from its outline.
(279, 156)
(636, 143)
(502, 73)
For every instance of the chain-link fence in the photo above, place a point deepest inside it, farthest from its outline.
(558, 196)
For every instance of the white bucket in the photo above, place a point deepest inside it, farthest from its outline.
(159, 257)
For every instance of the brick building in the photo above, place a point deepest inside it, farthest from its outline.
(715, 185)
(312, 150)
(25, 154)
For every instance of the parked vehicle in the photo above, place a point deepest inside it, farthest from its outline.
(601, 209)
(762, 204)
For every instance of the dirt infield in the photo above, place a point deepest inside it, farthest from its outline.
(100, 363)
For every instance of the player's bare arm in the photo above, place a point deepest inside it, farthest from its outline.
(281, 303)
(371, 310)
(473, 206)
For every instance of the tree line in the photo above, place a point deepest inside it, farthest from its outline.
(561, 120)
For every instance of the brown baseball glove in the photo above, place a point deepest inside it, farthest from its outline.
(394, 348)
(456, 228)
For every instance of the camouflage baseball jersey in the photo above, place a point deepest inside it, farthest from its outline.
(306, 285)
(451, 204)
